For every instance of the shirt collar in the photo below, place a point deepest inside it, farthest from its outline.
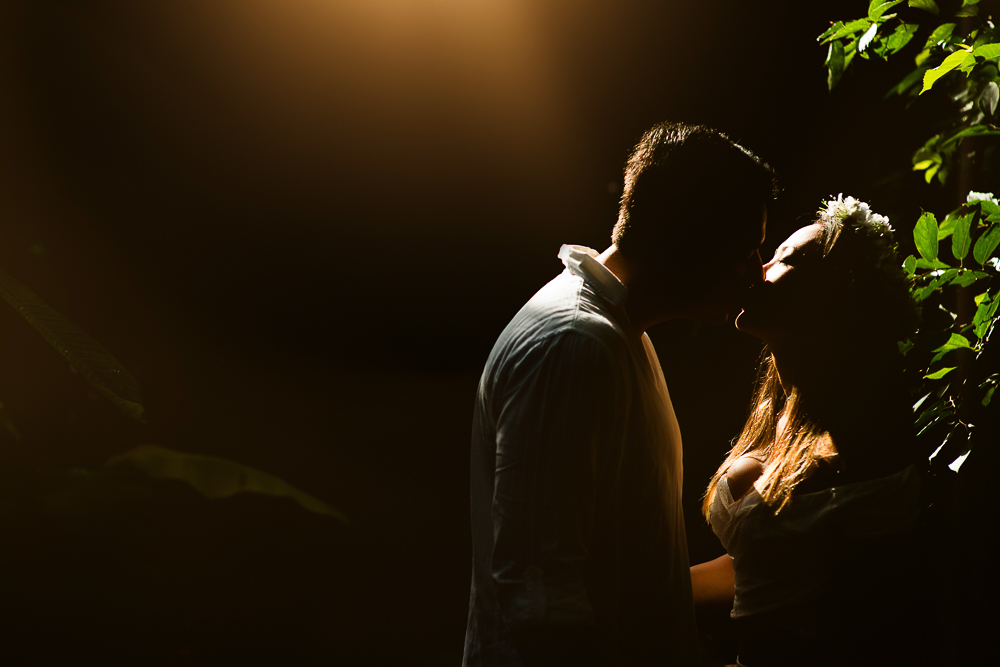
(583, 262)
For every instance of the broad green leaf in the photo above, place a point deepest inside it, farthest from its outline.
(986, 244)
(217, 478)
(910, 265)
(834, 27)
(988, 99)
(967, 10)
(835, 64)
(925, 237)
(941, 34)
(852, 28)
(960, 241)
(991, 211)
(86, 355)
(989, 395)
(923, 293)
(867, 38)
(980, 298)
(947, 227)
(929, 174)
(933, 411)
(938, 374)
(936, 264)
(983, 319)
(966, 278)
(955, 342)
(926, 5)
(987, 51)
(878, 7)
(908, 82)
(949, 63)
(901, 37)
(973, 131)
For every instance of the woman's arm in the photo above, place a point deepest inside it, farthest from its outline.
(713, 583)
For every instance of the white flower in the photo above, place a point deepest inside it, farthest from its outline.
(844, 209)
(981, 196)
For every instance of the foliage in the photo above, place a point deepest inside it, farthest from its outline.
(88, 357)
(212, 477)
(961, 65)
(217, 478)
(954, 276)
(951, 350)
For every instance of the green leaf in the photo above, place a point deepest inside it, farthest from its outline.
(217, 478)
(878, 7)
(989, 395)
(941, 34)
(986, 244)
(910, 265)
(966, 278)
(980, 298)
(983, 319)
(835, 64)
(955, 342)
(934, 411)
(936, 264)
(925, 237)
(86, 355)
(852, 28)
(938, 374)
(951, 62)
(987, 51)
(867, 38)
(908, 82)
(901, 37)
(926, 5)
(988, 99)
(960, 241)
(834, 27)
(929, 174)
(973, 131)
(991, 211)
(947, 228)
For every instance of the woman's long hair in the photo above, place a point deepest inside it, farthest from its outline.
(872, 296)
(782, 434)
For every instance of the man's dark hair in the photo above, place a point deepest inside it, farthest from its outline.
(687, 186)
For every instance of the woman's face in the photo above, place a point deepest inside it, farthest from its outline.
(791, 295)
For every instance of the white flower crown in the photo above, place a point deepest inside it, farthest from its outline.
(849, 208)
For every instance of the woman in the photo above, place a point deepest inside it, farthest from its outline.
(819, 502)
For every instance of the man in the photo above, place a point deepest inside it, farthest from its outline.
(580, 556)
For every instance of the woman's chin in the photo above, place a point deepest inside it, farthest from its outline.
(745, 323)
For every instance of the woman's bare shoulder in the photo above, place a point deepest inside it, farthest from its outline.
(742, 474)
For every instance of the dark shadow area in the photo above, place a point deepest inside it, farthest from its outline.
(301, 226)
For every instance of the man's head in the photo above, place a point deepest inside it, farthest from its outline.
(693, 212)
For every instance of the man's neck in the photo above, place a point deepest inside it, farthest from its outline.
(643, 306)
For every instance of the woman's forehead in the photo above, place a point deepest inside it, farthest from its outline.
(808, 235)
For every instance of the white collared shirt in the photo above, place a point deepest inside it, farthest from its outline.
(576, 480)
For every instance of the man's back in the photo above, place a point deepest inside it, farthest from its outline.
(577, 527)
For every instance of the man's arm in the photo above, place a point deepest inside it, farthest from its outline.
(557, 415)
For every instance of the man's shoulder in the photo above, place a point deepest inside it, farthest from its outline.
(566, 307)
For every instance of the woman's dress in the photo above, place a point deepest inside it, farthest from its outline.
(837, 575)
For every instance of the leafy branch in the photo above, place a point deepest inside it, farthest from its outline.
(963, 66)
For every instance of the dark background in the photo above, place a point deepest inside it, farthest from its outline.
(302, 224)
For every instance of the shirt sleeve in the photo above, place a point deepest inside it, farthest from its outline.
(554, 428)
